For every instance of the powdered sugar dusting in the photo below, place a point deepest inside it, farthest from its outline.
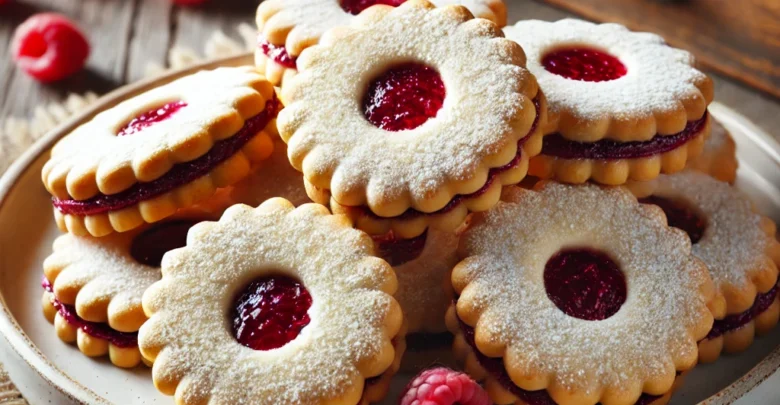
(733, 245)
(506, 253)
(659, 77)
(338, 149)
(351, 321)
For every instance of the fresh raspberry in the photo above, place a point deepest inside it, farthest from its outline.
(442, 386)
(49, 47)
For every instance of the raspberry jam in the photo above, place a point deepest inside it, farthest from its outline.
(149, 247)
(736, 321)
(180, 173)
(94, 329)
(585, 284)
(584, 64)
(354, 7)
(404, 97)
(495, 367)
(607, 149)
(399, 251)
(277, 53)
(679, 215)
(270, 312)
(150, 118)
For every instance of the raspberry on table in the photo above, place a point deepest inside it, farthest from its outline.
(49, 47)
(442, 386)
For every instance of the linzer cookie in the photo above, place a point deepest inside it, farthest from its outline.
(309, 310)
(93, 286)
(288, 27)
(393, 124)
(164, 150)
(623, 105)
(738, 246)
(718, 158)
(578, 295)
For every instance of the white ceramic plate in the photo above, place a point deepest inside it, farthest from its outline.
(48, 371)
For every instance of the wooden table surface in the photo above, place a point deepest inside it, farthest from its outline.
(126, 35)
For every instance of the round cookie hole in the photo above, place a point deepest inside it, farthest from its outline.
(270, 312)
(584, 64)
(404, 97)
(355, 7)
(151, 117)
(150, 246)
(399, 251)
(681, 215)
(585, 283)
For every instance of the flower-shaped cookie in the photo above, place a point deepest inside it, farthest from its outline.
(421, 265)
(394, 120)
(93, 286)
(586, 295)
(718, 158)
(160, 151)
(273, 177)
(290, 297)
(738, 246)
(288, 27)
(605, 82)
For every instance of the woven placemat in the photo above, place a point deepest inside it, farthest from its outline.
(19, 133)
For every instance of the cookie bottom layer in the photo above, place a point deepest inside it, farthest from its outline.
(616, 172)
(124, 356)
(376, 388)
(740, 338)
(497, 382)
(274, 72)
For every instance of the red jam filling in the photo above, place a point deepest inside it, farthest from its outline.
(150, 118)
(96, 330)
(179, 175)
(495, 366)
(492, 175)
(149, 247)
(355, 7)
(679, 215)
(404, 97)
(584, 64)
(607, 149)
(399, 251)
(277, 53)
(585, 284)
(736, 321)
(270, 312)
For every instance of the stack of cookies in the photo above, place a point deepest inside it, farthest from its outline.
(554, 195)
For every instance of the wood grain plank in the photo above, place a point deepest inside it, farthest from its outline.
(739, 39)
(195, 25)
(151, 37)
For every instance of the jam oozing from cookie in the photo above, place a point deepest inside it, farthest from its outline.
(736, 321)
(179, 175)
(150, 118)
(355, 7)
(679, 215)
(277, 53)
(495, 367)
(399, 251)
(584, 64)
(270, 312)
(404, 97)
(149, 247)
(607, 149)
(94, 329)
(585, 284)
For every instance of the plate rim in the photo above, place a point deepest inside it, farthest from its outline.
(24, 347)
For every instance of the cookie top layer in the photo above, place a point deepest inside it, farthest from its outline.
(603, 81)
(487, 109)
(501, 284)
(353, 317)
(143, 137)
(737, 245)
